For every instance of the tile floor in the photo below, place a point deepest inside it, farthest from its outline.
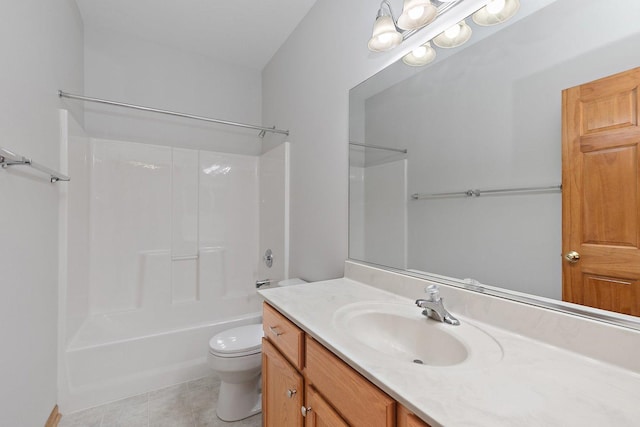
(191, 404)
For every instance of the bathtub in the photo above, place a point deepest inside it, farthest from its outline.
(111, 357)
(159, 251)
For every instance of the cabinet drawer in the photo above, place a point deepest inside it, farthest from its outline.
(358, 401)
(284, 335)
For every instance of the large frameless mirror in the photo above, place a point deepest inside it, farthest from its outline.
(456, 167)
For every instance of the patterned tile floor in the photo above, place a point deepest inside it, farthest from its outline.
(191, 404)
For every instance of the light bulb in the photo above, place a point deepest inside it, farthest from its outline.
(420, 52)
(416, 12)
(495, 6)
(454, 36)
(496, 12)
(420, 56)
(452, 32)
(384, 37)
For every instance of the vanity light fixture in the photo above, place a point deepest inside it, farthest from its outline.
(422, 55)
(496, 12)
(454, 36)
(387, 32)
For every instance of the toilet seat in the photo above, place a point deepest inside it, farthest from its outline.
(237, 342)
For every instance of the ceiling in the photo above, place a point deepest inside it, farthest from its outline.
(242, 32)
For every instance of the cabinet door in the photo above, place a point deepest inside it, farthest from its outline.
(358, 401)
(408, 419)
(282, 390)
(319, 413)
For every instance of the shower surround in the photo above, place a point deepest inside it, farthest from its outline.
(160, 250)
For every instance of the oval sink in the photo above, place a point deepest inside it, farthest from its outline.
(401, 332)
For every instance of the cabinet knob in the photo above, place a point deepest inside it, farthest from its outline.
(291, 393)
(305, 410)
(274, 330)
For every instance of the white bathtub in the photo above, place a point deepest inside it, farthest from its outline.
(108, 361)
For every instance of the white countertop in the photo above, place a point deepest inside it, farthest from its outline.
(533, 384)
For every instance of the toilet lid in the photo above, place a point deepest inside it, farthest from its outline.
(241, 340)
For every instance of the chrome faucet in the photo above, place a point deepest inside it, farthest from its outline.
(265, 282)
(434, 308)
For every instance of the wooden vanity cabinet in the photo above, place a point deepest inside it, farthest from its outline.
(300, 376)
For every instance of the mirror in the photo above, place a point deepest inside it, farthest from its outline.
(485, 116)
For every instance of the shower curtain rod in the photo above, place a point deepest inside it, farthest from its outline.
(379, 147)
(262, 129)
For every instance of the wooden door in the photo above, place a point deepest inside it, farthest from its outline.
(319, 413)
(601, 194)
(282, 390)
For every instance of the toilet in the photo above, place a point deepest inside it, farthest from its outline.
(236, 356)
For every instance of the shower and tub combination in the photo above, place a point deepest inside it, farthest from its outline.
(160, 249)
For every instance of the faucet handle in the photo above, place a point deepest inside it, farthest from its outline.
(433, 292)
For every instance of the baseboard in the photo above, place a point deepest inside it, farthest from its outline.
(54, 418)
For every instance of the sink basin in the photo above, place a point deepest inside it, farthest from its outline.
(401, 332)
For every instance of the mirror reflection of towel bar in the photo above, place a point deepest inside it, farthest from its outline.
(478, 193)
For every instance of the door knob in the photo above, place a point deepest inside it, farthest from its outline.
(291, 393)
(572, 257)
(305, 410)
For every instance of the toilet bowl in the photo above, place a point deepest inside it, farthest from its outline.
(236, 356)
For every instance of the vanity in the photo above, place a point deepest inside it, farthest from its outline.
(357, 351)
(302, 379)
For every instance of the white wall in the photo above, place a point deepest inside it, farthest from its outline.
(41, 45)
(128, 69)
(306, 89)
